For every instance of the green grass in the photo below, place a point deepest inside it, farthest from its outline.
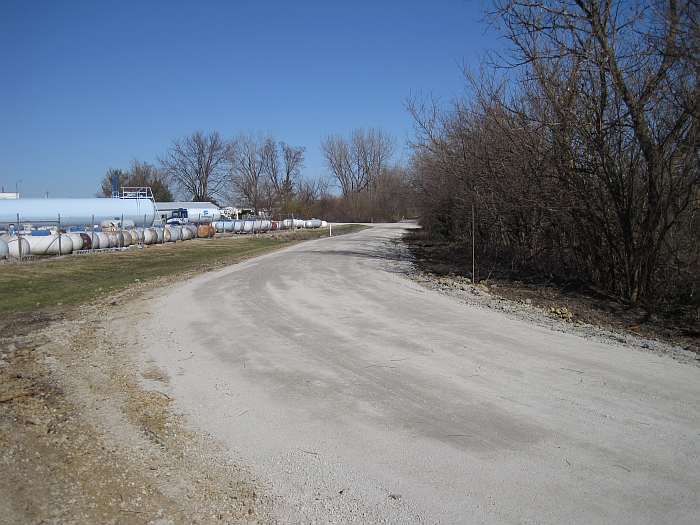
(74, 280)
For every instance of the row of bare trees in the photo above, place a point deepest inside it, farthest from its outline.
(257, 172)
(266, 175)
(580, 158)
(371, 186)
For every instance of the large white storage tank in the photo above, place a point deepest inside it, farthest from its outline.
(14, 244)
(77, 212)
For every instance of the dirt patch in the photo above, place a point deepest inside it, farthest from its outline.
(84, 438)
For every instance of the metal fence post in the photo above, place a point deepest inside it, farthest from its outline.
(19, 240)
(59, 234)
(473, 246)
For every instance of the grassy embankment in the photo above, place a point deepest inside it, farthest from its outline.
(73, 280)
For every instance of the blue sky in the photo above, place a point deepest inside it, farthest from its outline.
(86, 86)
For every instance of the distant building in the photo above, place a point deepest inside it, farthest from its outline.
(9, 195)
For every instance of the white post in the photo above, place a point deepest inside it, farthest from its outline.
(330, 229)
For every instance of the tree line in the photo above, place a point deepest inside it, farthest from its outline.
(267, 176)
(576, 153)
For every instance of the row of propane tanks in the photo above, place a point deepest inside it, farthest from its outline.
(258, 225)
(45, 242)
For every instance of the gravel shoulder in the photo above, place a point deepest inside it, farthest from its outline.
(556, 318)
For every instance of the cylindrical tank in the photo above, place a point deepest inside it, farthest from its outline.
(4, 249)
(237, 226)
(247, 226)
(77, 241)
(186, 233)
(103, 240)
(14, 245)
(150, 236)
(177, 232)
(313, 223)
(298, 223)
(94, 240)
(50, 244)
(87, 241)
(324, 224)
(128, 238)
(77, 212)
(266, 225)
(159, 234)
(113, 240)
(139, 234)
(173, 233)
(287, 224)
(203, 231)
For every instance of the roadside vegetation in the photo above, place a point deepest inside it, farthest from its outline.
(72, 280)
(573, 160)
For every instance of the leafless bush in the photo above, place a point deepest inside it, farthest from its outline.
(585, 162)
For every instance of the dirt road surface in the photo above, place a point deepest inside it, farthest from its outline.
(356, 395)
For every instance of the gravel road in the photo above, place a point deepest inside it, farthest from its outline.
(356, 395)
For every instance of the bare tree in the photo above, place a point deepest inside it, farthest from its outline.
(248, 170)
(292, 164)
(199, 165)
(357, 162)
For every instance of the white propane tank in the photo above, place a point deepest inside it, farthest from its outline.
(4, 250)
(104, 240)
(77, 241)
(150, 236)
(173, 233)
(13, 246)
(128, 238)
(50, 244)
(186, 233)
